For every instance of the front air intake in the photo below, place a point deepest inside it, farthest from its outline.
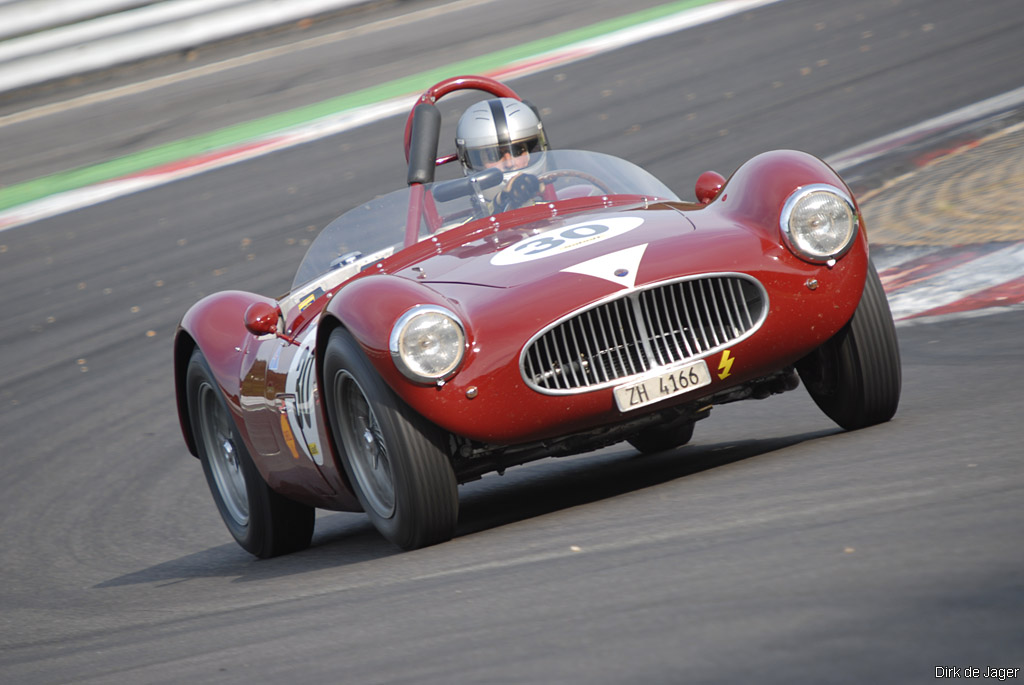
(641, 330)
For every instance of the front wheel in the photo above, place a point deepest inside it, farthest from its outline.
(855, 377)
(262, 521)
(394, 459)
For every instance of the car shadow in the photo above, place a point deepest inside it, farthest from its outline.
(340, 539)
(526, 492)
(568, 483)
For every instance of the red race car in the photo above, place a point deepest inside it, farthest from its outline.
(547, 307)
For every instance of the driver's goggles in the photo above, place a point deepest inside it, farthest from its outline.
(485, 157)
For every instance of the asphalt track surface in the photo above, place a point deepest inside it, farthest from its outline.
(774, 548)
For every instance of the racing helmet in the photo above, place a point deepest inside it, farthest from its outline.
(490, 129)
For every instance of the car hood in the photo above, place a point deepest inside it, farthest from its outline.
(609, 245)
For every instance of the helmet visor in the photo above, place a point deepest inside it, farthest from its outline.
(480, 158)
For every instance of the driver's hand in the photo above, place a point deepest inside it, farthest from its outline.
(523, 187)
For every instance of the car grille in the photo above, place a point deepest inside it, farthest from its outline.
(642, 330)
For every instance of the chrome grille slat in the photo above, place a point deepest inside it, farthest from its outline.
(656, 307)
(573, 351)
(735, 305)
(746, 309)
(693, 344)
(642, 330)
(590, 362)
(663, 299)
(645, 314)
(618, 361)
(709, 324)
(557, 371)
(618, 306)
(604, 358)
(722, 311)
(594, 363)
(721, 329)
(613, 356)
(698, 330)
(686, 348)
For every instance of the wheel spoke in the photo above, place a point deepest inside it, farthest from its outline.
(392, 457)
(224, 459)
(365, 446)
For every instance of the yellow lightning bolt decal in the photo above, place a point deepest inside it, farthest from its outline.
(725, 365)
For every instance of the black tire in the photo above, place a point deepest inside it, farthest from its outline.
(855, 377)
(262, 521)
(662, 438)
(394, 458)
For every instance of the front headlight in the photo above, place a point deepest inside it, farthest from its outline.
(428, 343)
(819, 222)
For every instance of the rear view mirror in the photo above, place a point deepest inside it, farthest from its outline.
(261, 318)
(709, 185)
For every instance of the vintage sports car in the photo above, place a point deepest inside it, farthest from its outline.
(427, 341)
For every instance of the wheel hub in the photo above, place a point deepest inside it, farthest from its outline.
(229, 454)
(371, 449)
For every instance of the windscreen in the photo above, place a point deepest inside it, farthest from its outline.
(378, 226)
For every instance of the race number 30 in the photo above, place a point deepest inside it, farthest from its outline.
(564, 239)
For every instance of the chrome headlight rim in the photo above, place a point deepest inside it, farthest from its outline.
(787, 230)
(399, 329)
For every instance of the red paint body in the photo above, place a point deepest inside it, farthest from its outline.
(502, 307)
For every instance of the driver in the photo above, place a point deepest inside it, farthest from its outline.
(502, 133)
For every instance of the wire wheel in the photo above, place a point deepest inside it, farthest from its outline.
(365, 446)
(225, 464)
(262, 521)
(396, 461)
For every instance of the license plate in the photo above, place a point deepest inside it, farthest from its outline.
(664, 384)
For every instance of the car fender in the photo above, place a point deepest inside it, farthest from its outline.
(368, 307)
(216, 325)
(758, 189)
(753, 198)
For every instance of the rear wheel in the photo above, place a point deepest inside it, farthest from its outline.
(263, 522)
(394, 458)
(855, 377)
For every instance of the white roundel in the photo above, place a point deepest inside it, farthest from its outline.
(564, 239)
(301, 400)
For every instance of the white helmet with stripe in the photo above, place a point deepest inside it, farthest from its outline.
(494, 132)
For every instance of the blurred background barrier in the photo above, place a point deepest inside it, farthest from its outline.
(45, 40)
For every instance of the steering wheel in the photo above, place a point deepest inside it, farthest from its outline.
(572, 173)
